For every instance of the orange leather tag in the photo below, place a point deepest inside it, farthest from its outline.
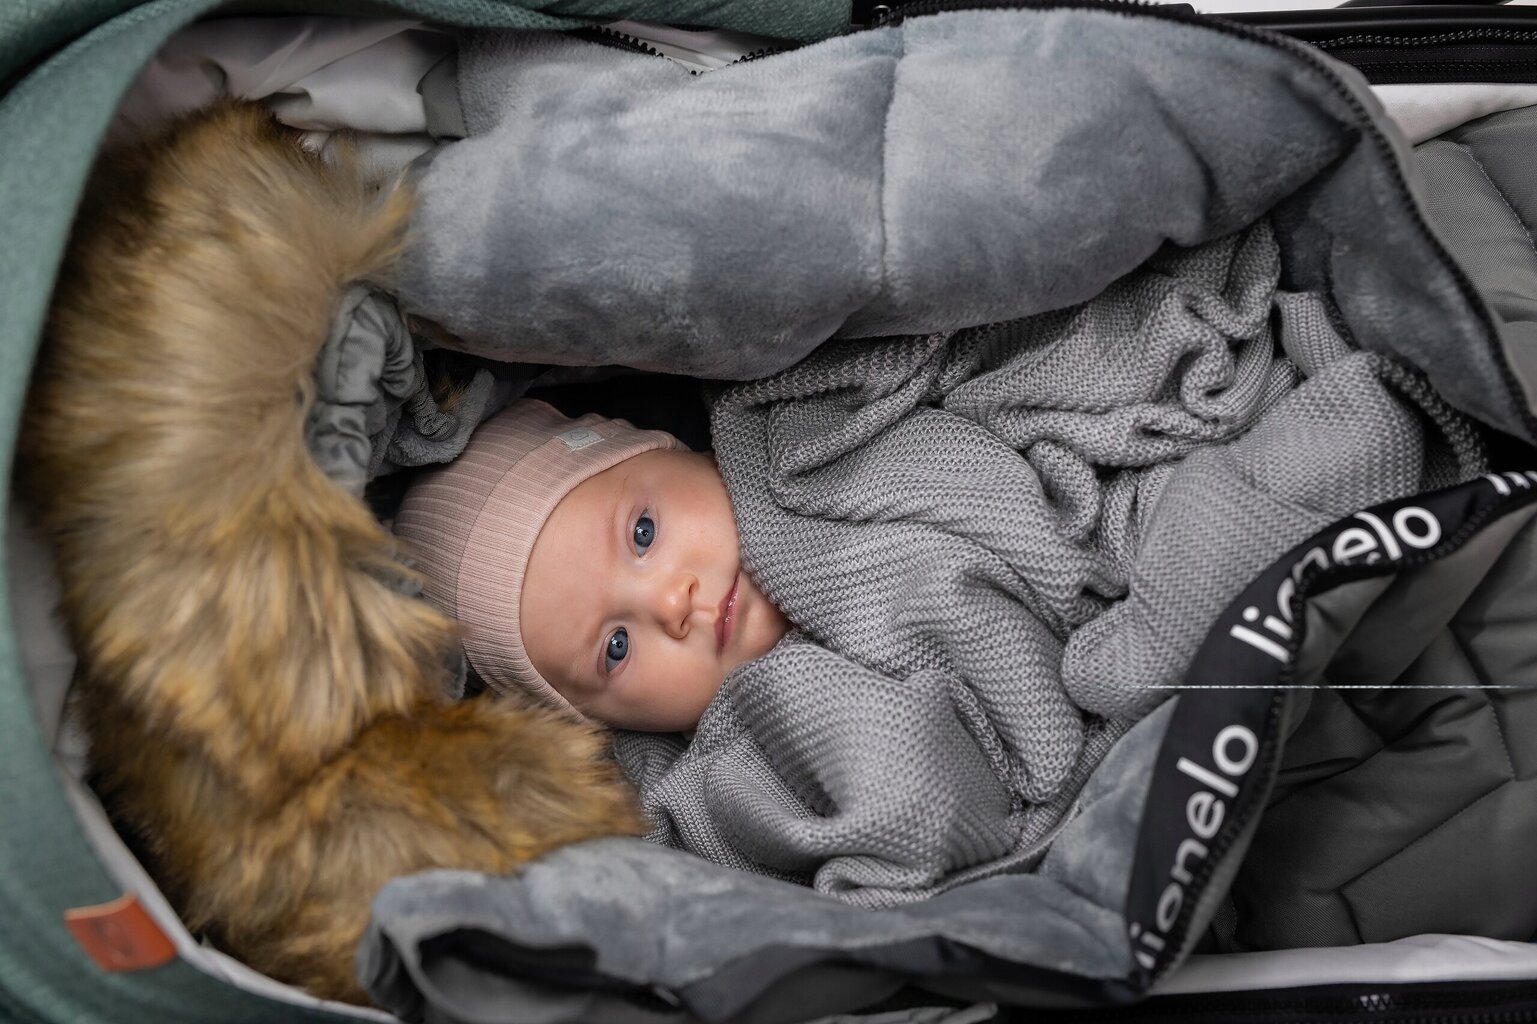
(120, 936)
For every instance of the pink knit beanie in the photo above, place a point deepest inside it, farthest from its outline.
(472, 524)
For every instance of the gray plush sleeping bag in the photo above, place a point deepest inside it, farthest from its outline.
(952, 172)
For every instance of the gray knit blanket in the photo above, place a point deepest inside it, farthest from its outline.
(1002, 546)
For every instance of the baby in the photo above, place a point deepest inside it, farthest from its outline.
(595, 566)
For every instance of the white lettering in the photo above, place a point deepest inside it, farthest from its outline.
(1353, 543)
(1219, 750)
(1204, 813)
(1260, 641)
(1389, 542)
(1283, 598)
(1206, 777)
(1187, 847)
(1423, 539)
(1181, 874)
(1316, 557)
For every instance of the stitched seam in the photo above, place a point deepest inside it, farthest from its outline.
(1444, 822)
(1382, 744)
(1499, 725)
(883, 279)
(1460, 648)
(1499, 192)
(1423, 836)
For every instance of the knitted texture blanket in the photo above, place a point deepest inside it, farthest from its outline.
(1001, 546)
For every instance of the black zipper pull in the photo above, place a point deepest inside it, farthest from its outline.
(865, 13)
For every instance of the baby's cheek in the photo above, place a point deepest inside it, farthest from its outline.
(775, 626)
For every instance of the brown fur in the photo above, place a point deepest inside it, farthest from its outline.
(262, 704)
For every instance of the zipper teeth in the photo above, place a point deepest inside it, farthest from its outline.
(767, 51)
(1407, 66)
(624, 41)
(895, 14)
(1353, 1011)
(1510, 35)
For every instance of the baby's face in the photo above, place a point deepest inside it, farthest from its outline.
(635, 605)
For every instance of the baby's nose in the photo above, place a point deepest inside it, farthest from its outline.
(675, 603)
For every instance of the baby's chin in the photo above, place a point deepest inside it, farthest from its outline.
(765, 624)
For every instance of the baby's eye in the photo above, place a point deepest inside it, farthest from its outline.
(617, 649)
(645, 533)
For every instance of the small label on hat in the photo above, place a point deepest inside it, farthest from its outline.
(580, 438)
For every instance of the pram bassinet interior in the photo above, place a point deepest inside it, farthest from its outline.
(76, 880)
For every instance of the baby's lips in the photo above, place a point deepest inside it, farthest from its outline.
(725, 618)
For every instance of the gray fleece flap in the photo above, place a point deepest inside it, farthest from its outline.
(961, 169)
(955, 170)
(660, 918)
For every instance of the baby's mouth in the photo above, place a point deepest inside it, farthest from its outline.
(727, 617)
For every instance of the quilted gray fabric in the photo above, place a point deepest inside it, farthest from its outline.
(1003, 545)
(1482, 199)
(608, 205)
(1408, 809)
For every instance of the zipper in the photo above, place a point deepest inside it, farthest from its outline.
(1390, 71)
(884, 15)
(615, 39)
(1467, 35)
(1472, 54)
(1396, 1003)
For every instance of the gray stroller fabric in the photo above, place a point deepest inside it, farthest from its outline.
(1482, 201)
(1011, 542)
(957, 171)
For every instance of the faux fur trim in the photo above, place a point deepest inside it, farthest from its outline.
(263, 703)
